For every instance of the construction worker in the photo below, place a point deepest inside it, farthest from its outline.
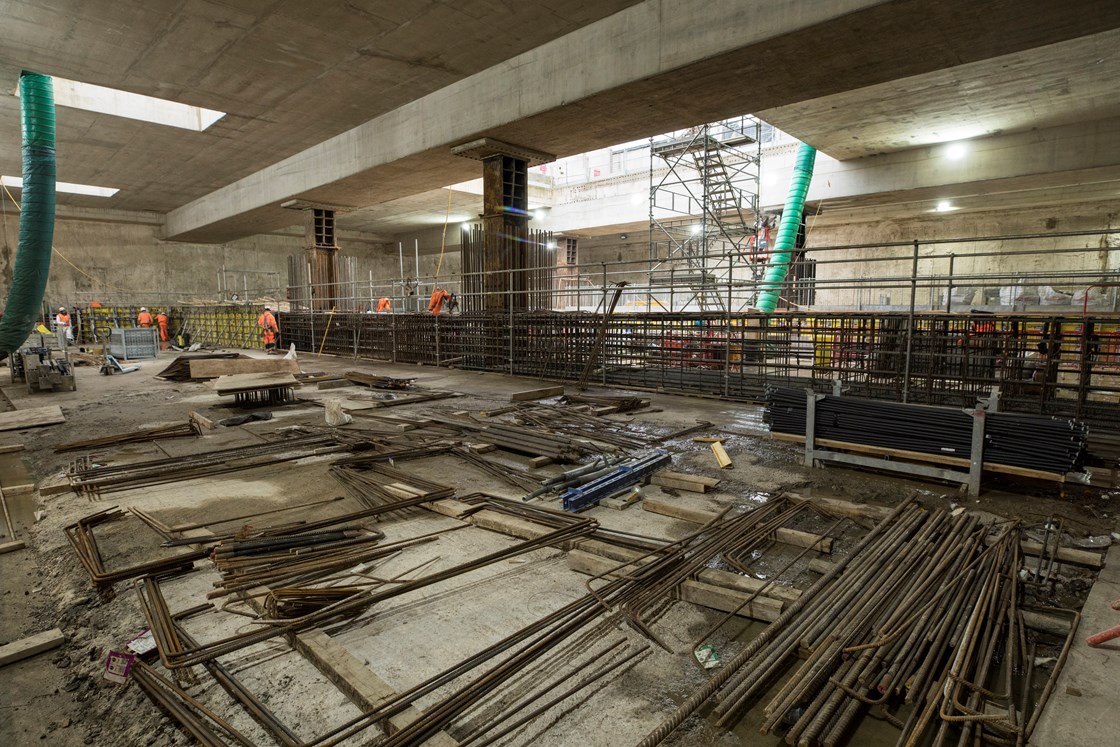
(62, 324)
(384, 305)
(164, 336)
(267, 322)
(144, 319)
(439, 297)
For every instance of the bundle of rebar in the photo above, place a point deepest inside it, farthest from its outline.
(505, 473)
(175, 655)
(535, 441)
(292, 559)
(380, 485)
(918, 624)
(95, 480)
(181, 430)
(1028, 441)
(81, 538)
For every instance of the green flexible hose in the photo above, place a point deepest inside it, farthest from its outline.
(36, 221)
(787, 229)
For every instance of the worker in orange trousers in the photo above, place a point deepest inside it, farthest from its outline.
(144, 318)
(267, 322)
(164, 335)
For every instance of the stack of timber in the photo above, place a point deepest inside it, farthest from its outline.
(180, 368)
(378, 382)
(1034, 442)
(212, 369)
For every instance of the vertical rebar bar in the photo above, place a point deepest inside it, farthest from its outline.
(910, 326)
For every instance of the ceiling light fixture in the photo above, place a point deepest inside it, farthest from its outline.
(696, 229)
(15, 182)
(78, 95)
(944, 206)
(956, 151)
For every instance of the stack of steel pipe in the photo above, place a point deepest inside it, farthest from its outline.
(1028, 441)
(533, 441)
(919, 624)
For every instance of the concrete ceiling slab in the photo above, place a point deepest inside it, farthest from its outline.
(616, 80)
(290, 73)
(1071, 81)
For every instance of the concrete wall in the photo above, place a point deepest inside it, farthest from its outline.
(1019, 267)
(111, 256)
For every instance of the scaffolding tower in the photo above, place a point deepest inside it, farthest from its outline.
(704, 215)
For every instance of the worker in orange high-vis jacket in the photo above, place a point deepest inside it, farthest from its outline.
(144, 318)
(63, 324)
(164, 335)
(438, 299)
(269, 331)
(384, 305)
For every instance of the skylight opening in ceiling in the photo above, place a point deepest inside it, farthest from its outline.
(102, 100)
(15, 182)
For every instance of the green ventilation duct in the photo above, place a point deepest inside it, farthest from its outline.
(36, 222)
(787, 229)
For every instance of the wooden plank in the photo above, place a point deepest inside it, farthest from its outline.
(31, 418)
(710, 482)
(212, 368)
(921, 456)
(668, 482)
(12, 546)
(838, 507)
(334, 384)
(200, 421)
(54, 485)
(248, 382)
(1069, 555)
(703, 516)
(540, 461)
(481, 448)
(722, 458)
(707, 440)
(531, 394)
(26, 647)
(697, 592)
(14, 477)
(10, 448)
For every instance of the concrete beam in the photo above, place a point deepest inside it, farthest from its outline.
(1065, 156)
(654, 67)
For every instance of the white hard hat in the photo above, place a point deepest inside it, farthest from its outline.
(267, 307)
(62, 308)
(143, 308)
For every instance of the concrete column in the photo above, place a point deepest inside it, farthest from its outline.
(505, 220)
(322, 257)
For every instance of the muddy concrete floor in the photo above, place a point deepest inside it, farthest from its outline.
(60, 698)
